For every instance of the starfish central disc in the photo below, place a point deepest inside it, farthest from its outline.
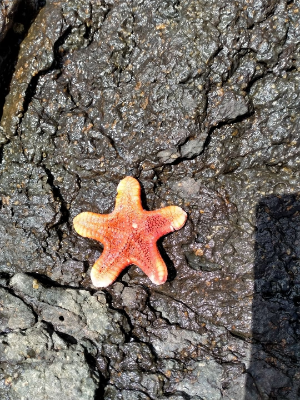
(129, 235)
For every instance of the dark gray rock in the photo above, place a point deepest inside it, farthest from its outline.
(169, 342)
(203, 379)
(200, 102)
(14, 313)
(226, 106)
(43, 365)
(168, 156)
(134, 395)
(200, 263)
(72, 312)
(193, 147)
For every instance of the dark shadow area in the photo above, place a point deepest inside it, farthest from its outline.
(274, 369)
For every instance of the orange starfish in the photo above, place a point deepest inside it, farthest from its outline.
(129, 235)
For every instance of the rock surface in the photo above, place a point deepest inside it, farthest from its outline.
(199, 101)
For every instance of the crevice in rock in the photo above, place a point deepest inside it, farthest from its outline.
(1, 153)
(49, 283)
(238, 336)
(10, 45)
(180, 393)
(4, 275)
(66, 337)
(63, 206)
(127, 335)
(45, 280)
(106, 11)
(140, 391)
(99, 393)
(240, 118)
(56, 64)
(49, 327)
(262, 75)
(110, 140)
(92, 362)
(29, 305)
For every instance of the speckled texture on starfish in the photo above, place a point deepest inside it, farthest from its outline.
(129, 235)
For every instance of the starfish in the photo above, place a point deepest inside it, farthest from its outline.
(129, 235)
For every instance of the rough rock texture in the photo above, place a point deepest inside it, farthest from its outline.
(40, 364)
(199, 101)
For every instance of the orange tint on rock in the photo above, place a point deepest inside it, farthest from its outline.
(129, 235)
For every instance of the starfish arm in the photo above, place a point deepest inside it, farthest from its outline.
(129, 195)
(165, 220)
(107, 268)
(146, 256)
(92, 225)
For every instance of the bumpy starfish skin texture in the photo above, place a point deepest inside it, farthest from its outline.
(129, 235)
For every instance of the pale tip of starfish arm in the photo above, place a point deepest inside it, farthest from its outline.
(101, 279)
(160, 276)
(129, 191)
(78, 223)
(179, 217)
(159, 280)
(129, 183)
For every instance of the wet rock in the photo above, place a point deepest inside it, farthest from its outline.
(226, 106)
(70, 272)
(176, 313)
(271, 33)
(203, 380)
(180, 397)
(134, 380)
(137, 356)
(30, 209)
(201, 104)
(199, 263)
(187, 187)
(170, 342)
(134, 395)
(200, 379)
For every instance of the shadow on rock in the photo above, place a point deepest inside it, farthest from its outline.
(273, 371)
